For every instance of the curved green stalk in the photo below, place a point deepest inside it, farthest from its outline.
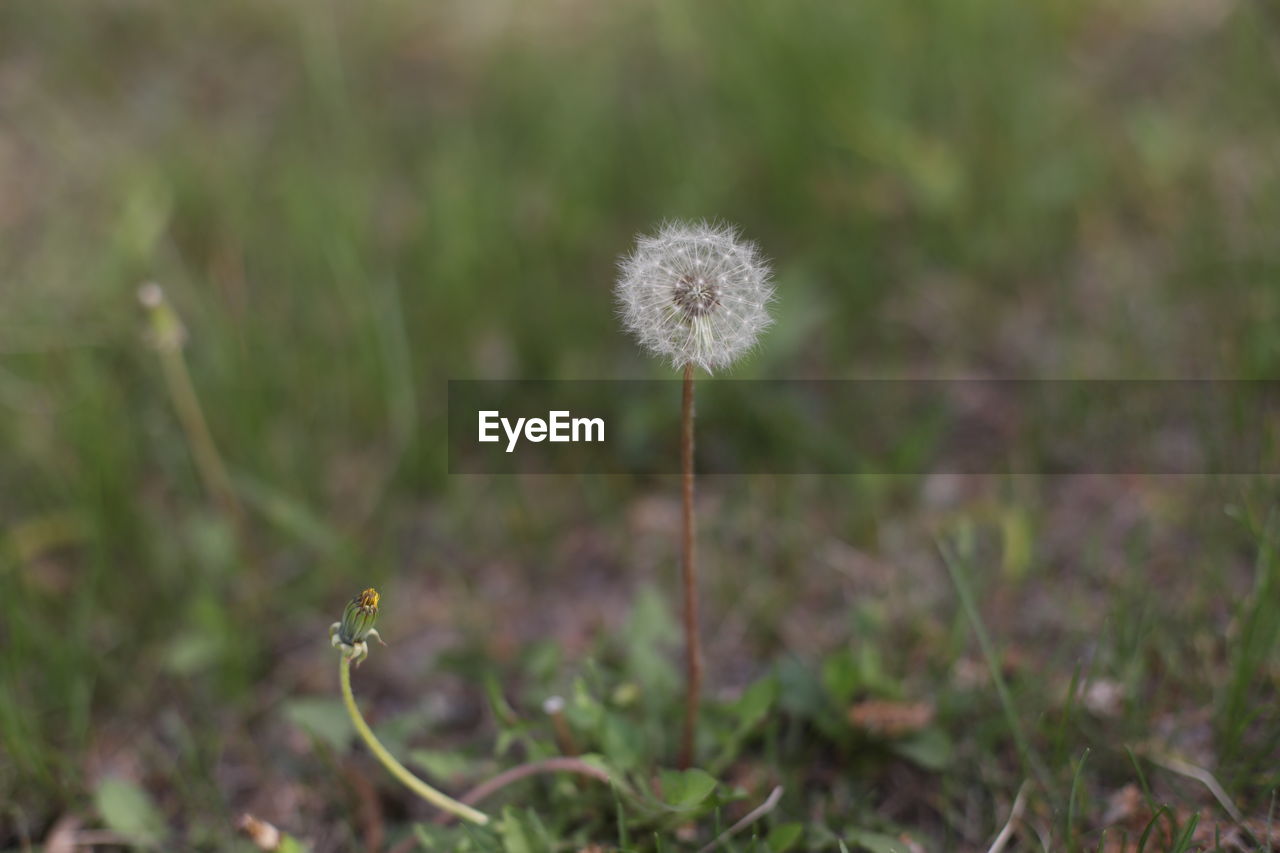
(398, 770)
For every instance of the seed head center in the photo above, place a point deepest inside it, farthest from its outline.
(696, 295)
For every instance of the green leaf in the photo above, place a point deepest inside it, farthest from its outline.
(289, 515)
(541, 660)
(751, 708)
(625, 694)
(583, 710)
(515, 839)
(507, 738)
(192, 651)
(800, 692)
(129, 810)
(841, 676)
(877, 843)
(396, 732)
(622, 742)
(930, 748)
(444, 839)
(324, 719)
(686, 789)
(784, 836)
(522, 833)
(441, 765)
(755, 702)
(289, 844)
(211, 540)
(649, 631)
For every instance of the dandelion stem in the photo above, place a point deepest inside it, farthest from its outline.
(398, 770)
(208, 462)
(168, 334)
(689, 575)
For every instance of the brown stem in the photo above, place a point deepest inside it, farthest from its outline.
(689, 575)
(564, 735)
(548, 765)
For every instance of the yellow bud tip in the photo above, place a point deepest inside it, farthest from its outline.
(368, 600)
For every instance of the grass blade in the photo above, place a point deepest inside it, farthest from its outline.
(1071, 801)
(1032, 762)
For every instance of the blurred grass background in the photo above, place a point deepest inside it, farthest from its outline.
(349, 204)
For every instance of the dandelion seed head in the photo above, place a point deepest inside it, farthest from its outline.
(695, 293)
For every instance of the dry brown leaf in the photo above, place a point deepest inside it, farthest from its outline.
(62, 837)
(1103, 697)
(886, 718)
(261, 833)
(1126, 806)
(687, 832)
(911, 844)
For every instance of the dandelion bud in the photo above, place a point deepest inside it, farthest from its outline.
(358, 618)
(695, 294)
(357, 625)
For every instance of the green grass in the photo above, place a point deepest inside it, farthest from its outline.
(350, 204)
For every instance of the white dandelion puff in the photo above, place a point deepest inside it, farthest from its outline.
(695, 293)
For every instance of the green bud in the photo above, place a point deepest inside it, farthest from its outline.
(359, 617)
